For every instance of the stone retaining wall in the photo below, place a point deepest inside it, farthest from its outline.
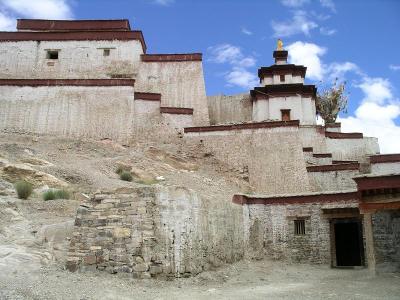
(155, 231)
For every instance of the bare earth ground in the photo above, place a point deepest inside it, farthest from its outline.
(34, 234)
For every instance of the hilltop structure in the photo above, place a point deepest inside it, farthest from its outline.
(319, 195)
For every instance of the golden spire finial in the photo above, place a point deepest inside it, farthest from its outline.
(279, 46)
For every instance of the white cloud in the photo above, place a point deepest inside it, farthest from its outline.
(225, 53)
(238, 74)
(338, 70)
(394, 67)
(300, 23)
(246, 31)
(40, 9)
(7, 23)
(164, 2)
(376, 90)
(241, 77)
(294, 3)
(308, 54)
(328, 4)
(376, 115)
(327, 31)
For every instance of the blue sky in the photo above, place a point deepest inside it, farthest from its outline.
(355, 40)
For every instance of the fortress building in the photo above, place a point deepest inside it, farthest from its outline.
(319, 195)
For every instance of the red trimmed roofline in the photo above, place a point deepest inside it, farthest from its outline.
(273, 124)
(67, 82)
(334, 167)
(343, 135)
(384, 158)
(377, 182)
(295, 199)
(147, 96)
(73, 25)
(172, 57)
(73, 36)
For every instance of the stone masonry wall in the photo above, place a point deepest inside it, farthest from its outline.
(386, 235)
(271, 231)
(155, 231)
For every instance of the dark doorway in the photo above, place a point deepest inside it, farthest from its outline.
(348, 243)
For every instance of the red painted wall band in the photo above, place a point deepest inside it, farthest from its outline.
(171, 57)
(76, 25)
(321, 198)
(176, 110)
(73, 36)
(335, 167)
(67, 82)
(147, 96)
(343, 135)
(293, 123)
(384, 158)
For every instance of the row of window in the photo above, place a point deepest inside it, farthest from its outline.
(53, 54)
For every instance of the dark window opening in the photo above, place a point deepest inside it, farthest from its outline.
(106, 52)
(299, 227)
(285, 113)
(282, 78)
(52, 54)
(349, 244)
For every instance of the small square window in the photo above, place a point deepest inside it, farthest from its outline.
(52, 54)
(299, 227)
(285, 114)
(106, 52)
(282, 78)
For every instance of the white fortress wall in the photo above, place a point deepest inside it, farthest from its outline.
(311, 137)
(385, 168)
(77, 59)
(95, 111)
(272, 156)
(181, 84)
(230, 109)
(352, 149)
(333, 180)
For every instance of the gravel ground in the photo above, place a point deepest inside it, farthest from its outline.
(244, 280)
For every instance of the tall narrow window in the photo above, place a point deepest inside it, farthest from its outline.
(285, 113)
(299, 227)
(52, 54)
(282, 78)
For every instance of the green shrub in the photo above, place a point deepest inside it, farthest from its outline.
(119, 170)
(49, 195)
(62, 194)
(125, 176)
(55, 194)
(24, 189)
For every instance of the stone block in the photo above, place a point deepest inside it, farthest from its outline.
(120, 232)
(140, 267)
(156, 269)
(90, 259)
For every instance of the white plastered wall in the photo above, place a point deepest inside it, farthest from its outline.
(77, 59)
(302, 109)
(180, 83)
(99, 112)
